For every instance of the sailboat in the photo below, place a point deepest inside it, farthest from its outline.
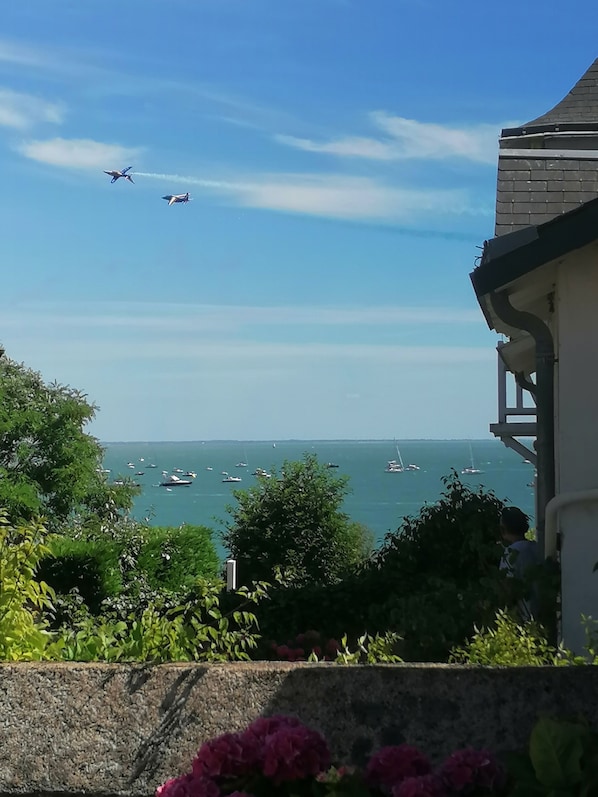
(395, 465)
(243, 463)
(471, 470)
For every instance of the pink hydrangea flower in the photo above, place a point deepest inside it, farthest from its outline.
(229, 755)
(188, 786)
(468, 769)
(420, 786)
(391, 765)
(293, 753)
(287, 749)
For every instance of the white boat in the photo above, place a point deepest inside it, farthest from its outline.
(412, 467)
(174, 481)
(177, 470)
(471, 470)
(232, 479)
(392, 466)
(395, 465)
(260, 472)
(209, 468)
(243, 462)
(191, 474)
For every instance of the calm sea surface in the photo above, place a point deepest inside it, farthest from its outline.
(378, 499)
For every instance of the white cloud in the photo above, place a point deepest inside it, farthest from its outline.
(409, 139)
(77, 153)
(338, 196)
(12, 52)
(425, 140)
(163, 318)
(332, 196)
(23, 110)
(351, 146)
(246, 354)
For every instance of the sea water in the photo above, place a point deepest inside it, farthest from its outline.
(378, 499)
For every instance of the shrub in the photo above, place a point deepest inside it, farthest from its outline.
(24, 634)
(280, 756)
(131, 560)
(194, 631)
(294, 522)
(431, 582)
(507, 643)
(173, 558)
(89, 566)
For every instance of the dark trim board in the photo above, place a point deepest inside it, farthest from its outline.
(513, 255)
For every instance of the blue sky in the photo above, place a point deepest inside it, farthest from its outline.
(341, 157)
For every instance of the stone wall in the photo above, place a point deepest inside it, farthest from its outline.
(122, 730)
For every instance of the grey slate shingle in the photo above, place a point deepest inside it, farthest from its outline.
(535, 190)
(580, 105)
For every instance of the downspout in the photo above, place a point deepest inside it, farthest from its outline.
(545, 486)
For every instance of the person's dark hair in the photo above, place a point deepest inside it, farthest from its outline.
(514, 521)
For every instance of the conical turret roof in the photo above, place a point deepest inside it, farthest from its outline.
(579, 107)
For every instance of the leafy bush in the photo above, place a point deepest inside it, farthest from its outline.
(194, 631)
(561, 760)
(294, 522)
(24, 634)
(280, 757)
(48, 464)
(507, 643)
(173, 558)
(130, 560)
(89, 566)
(433, 579)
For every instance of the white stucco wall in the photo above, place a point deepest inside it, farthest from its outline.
(577, 435)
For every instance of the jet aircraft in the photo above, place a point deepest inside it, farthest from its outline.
(173, 198)
(115, 174)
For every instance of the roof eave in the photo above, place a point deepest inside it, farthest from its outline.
(508, 257)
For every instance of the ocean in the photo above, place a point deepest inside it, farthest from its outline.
(377, 499)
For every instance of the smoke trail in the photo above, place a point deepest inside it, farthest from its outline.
(178, 178)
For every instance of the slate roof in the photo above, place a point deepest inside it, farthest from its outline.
(533, 187)
(579, 107)
(534, 190)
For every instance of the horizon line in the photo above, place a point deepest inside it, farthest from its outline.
(306, 440)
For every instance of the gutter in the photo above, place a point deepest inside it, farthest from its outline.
(545, 359)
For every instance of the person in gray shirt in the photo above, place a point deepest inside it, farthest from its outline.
(519, 557)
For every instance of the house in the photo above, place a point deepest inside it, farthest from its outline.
(537, 285)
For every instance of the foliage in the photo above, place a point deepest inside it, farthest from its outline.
(173, 558)
(128, 565)
(48, 465)
(194, 631)
(562, 760)
(23, 632)
(280, 757)
(294, 521)
(312, 647)
(377, 649)
(431, 582)
(89, 566)
(508, 643)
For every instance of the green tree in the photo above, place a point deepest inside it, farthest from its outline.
(294, 522)
(49, 466)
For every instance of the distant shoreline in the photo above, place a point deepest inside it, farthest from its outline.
(488, 439)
